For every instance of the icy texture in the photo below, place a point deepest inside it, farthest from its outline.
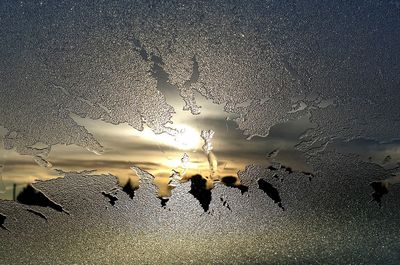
(2, 219)
(96, 61)
(42, 162)
(328, 215)
(382, 187)
(207, 137)
(265, 61)
(143, 174)
(129, 189)
(276, 55)
(37, 214)
(185, 161)
(66, 67)
(271, 191)
(111, 197)
(32, 196)
(174, 179)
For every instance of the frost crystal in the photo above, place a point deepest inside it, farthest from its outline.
(185, 163)
(207, 137)
(174, 179)
(263, 62)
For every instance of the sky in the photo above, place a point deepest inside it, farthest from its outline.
(296, 51)
(322, 78)
(160, 154)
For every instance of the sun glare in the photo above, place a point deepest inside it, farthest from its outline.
(187, 138)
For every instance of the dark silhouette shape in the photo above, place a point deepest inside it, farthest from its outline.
(289, 170)
(200, 192)
(230, 182)
(163, 201)
(272, 168)
(129, 189)
(112, 198)
(2, 219)
(379, 191)
(243, 188)
(195, 73)
(225, 203)
(276, 176)
(37, 214)
(14, 191)
(271, 191)
(31, 196)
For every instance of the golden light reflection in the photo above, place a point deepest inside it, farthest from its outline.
(159, 154)
(186, 138)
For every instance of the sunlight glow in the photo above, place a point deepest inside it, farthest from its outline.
(187, 138)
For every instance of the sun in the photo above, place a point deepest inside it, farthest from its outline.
(186, 137)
